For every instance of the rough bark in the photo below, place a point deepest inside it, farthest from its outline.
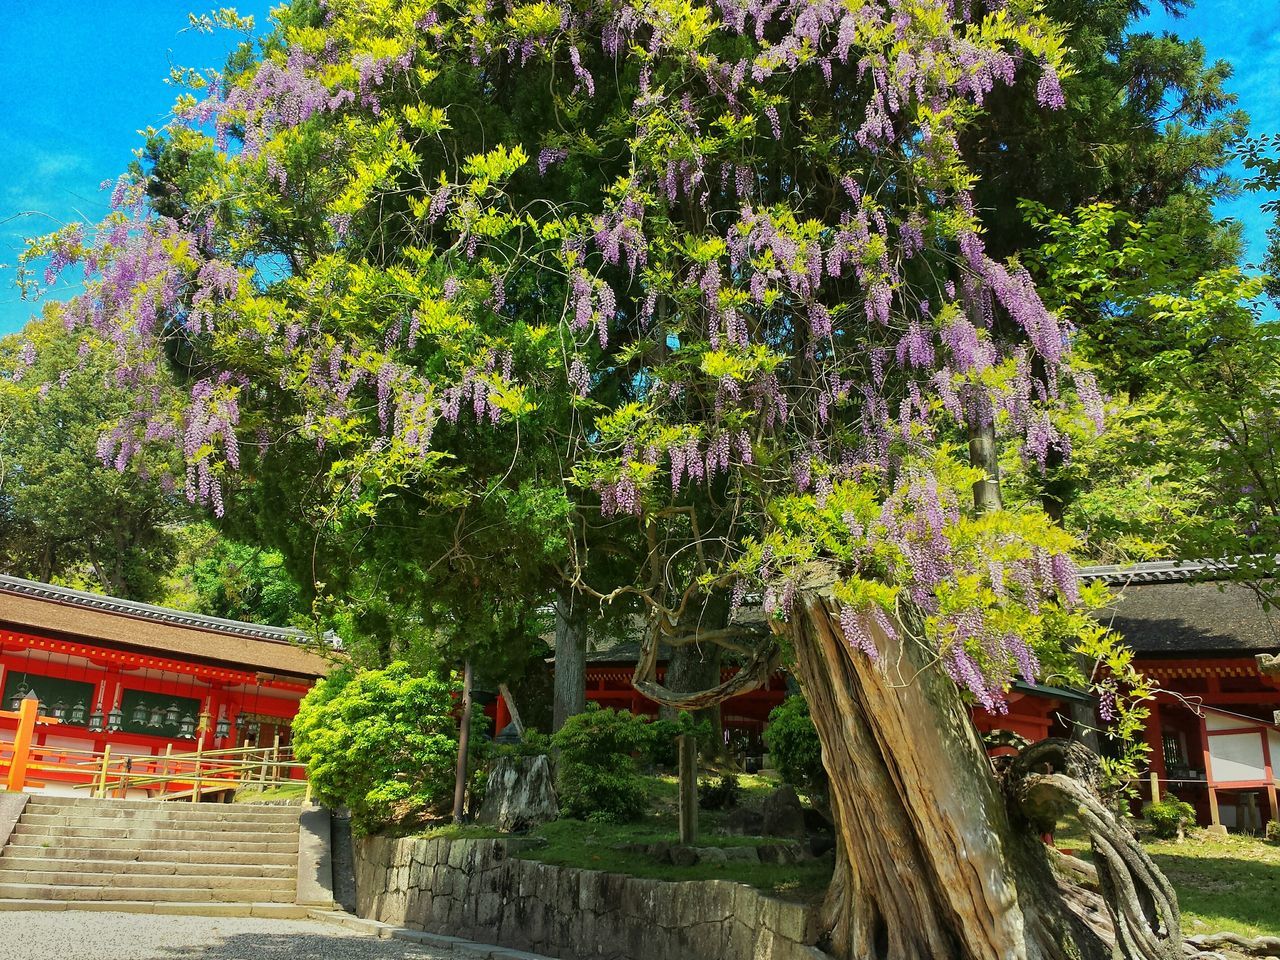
(464, 745)
(570, 696)
(984, 453)
(929, 862)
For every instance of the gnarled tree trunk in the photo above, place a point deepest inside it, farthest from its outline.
(930, 863)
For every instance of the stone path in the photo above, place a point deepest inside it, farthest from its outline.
(74, 935)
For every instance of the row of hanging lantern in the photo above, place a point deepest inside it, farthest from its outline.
(154, 716)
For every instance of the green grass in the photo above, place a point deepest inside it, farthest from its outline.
(1227, 883)
(290, 791)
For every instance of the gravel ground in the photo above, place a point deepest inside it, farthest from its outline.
(71, 935)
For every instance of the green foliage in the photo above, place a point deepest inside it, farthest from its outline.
(65, 516)
(1273, 831)
(793, 745)
(381, 742)
(225, 578)
(597, 778)
(719, 794)
(1169, 817)
(661, 747)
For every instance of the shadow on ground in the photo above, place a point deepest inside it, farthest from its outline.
(298, 946)
(1224, 892)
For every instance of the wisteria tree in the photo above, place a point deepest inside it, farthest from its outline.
(515, 289)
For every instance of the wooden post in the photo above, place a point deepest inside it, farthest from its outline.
(688, 747)
(102, 773)
(275, 758)
(1213, 808)
(511, 709)
(464, 743)
(1155, 787)
(195, 783)
(27, 714)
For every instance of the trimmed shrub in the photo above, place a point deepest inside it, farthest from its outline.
(660, 746)
(719, 794)
(793, 745)
(380, 742)
(597, 777)
(1273, 831)
(1170, 817)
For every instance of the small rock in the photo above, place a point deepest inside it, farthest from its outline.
(783, 814)
(683, 856)
(712, 855)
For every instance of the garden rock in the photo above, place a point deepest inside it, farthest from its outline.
(520, 795)
(744, 822)
(783, 814)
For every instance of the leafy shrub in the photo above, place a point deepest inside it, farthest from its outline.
(597, 777)
(380, 742)
(1170, 817)
(720, 794)
(792, 742)
(661, 748)
(1273, 831)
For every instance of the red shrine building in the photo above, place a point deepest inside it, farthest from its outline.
(142, 679)
(1209, 644)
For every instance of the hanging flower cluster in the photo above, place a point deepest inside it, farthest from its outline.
(737, 260)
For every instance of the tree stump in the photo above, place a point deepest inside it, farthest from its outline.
(520, 795)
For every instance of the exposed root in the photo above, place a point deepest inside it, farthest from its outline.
(1054, 777)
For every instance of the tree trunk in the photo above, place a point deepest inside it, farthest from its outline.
(464, 746)
(928, 861)
(570, 696)
(984, 453)
(696, 666)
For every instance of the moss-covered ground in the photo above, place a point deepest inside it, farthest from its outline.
(597, 846)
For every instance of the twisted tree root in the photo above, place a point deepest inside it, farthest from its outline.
(1053, 777)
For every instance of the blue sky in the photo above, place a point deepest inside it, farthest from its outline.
(76, 86)
(77, 81)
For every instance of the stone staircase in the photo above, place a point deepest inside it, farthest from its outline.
(171, 857)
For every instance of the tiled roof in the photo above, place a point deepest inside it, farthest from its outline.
(145, 611)
(28, 605)
(1186, 607)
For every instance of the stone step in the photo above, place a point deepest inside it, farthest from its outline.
(258, 888)
(275, 911)
(23, 891)
(160, 840)
(58, 822)
(154, 868)
(133, 809)
(50, 821)
(176, 852)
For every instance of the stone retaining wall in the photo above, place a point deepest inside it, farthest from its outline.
(476, 890)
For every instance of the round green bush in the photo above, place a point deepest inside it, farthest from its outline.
(793, 745)
(597, 777)
(381, 742)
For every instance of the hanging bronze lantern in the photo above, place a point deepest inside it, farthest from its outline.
(76, 716)
(59, 710)
(157, 716)
(223, 729)
(115, 719)
(173, 714)
(96, 721)
(187, 729)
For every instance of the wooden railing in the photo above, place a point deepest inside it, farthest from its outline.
(188, 775)
(202, 773)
